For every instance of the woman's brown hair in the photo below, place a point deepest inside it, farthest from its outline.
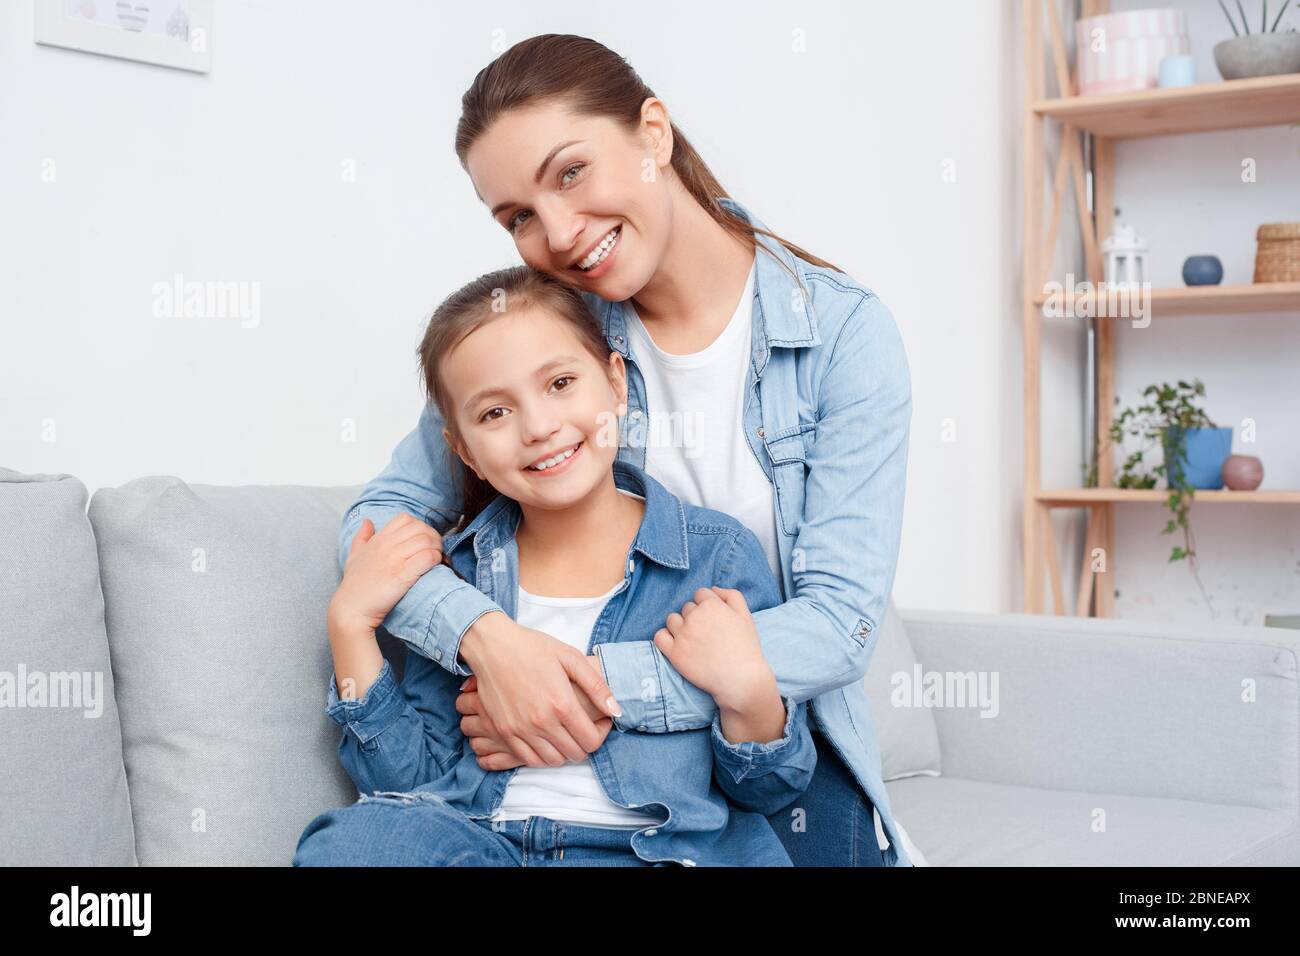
(473, 306)
(591, 79)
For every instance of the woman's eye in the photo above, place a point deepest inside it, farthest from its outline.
(568, 170)
(513, 223)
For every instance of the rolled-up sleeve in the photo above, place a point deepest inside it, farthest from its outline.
(764, 777)
(387, 744)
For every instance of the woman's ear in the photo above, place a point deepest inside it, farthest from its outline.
(618, 380)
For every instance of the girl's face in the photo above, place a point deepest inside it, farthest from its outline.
(524, 390)
(560, 184)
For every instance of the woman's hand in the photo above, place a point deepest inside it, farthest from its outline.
(382, 567)
(528, 696)
(714, 644)
(488, 743)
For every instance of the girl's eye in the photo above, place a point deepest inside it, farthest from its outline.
(563, 378)
(495, 408)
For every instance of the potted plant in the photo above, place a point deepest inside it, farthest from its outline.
(1266, 52)
(1194, 452)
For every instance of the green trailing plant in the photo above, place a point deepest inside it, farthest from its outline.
(1161, 421)
(1263, 20)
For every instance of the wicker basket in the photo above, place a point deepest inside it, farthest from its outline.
(1277, 252)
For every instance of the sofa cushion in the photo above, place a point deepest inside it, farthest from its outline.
(216, 600)
(908, 735)
(963, 822)
(63, 787)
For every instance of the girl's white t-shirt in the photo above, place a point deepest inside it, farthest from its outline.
(695, 437)
(572, 791)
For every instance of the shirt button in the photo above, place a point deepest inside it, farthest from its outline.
(760, 433)
(688, 861)
(636, 413)
(651, 832)
(618, 339)
(631, 565)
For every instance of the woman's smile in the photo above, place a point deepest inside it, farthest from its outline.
(603, 264)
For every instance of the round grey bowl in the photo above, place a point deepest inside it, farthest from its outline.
(1258, 54)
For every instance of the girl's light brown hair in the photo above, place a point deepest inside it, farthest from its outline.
(469, 308)
(590, 79)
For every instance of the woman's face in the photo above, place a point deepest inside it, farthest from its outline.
(560, 183)
(543, 395)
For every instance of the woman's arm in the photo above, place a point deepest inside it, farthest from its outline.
(845, 552)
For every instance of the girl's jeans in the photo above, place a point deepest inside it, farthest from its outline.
(831, 824)
(420, 829)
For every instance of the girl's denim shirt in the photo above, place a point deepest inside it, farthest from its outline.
(828, 405)
(400, 737)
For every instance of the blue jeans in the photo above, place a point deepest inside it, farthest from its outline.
(837, 826)
(420, 829)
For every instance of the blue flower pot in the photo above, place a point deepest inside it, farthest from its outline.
(1202, 270)
(1204, 455)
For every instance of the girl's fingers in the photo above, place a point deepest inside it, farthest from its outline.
(674, 623)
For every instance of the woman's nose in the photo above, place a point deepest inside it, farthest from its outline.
(563, 229)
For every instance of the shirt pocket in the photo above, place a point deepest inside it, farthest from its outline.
(788, 451)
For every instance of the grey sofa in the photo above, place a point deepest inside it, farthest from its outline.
(164, 665)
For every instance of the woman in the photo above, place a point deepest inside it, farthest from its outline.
(762, 381)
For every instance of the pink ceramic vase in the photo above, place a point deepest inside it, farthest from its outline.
(1242, 472)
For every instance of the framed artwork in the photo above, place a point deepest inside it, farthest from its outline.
(175, 33)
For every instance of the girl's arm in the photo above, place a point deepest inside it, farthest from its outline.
(845, 551)
(389, 742)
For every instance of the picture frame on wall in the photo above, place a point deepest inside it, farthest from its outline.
(174, 33)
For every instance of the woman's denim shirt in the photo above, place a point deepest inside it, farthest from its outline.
(828, 405)
(400, 737)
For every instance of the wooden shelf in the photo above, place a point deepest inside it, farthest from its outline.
(1198, 300)
(1230, 104)
(1082, 497)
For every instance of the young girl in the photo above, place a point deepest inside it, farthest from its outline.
(574, 544)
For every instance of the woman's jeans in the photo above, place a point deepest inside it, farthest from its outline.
(832, 823)
(837, 825)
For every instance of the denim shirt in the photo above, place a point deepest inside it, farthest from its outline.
(399, 737)
(828, 406)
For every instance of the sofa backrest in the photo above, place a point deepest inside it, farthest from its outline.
(63, 788)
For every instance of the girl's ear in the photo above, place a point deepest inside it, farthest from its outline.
(461, 452)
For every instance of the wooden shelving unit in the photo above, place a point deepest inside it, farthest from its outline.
(1235, 104)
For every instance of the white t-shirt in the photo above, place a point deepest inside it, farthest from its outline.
(695, 438)
(572, 791)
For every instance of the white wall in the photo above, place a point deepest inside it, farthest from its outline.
(235, 176)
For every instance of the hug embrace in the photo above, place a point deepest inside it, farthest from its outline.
(623, 651)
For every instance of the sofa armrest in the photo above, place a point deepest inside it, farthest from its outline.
(1187, 711)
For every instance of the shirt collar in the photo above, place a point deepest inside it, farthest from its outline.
(661, 537)
(783, 312)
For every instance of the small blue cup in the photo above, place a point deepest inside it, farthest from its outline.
(1178, 70)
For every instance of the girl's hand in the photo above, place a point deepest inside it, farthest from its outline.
(382, 567)
(714, 644)
(489, 743)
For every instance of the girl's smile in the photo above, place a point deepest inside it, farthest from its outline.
(560, 466)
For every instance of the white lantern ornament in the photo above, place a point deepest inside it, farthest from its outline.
(1126, 254)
